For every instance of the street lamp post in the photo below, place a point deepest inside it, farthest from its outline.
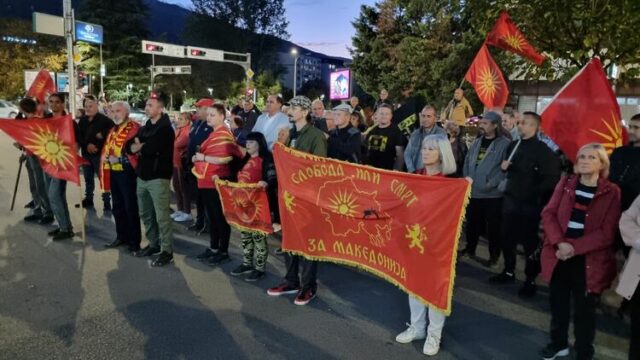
(294, 52)
(210, 90)
(129, 87)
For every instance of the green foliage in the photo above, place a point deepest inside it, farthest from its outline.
(15, 58)
(424, 47)
(256, 16)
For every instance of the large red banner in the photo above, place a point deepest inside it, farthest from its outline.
(401, 227)
(245, 206)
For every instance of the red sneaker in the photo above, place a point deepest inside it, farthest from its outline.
(305, 296)
(283, 289)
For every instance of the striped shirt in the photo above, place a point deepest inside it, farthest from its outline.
(584, 195)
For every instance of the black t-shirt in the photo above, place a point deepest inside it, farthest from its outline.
(381, 144)
(484, 146)
(584, 195)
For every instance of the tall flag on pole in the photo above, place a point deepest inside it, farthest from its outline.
(52, 140)
(486, 77)
(506, 35)
(585, 110)
(42, 86)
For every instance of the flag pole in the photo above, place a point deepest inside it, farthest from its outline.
(15, 188)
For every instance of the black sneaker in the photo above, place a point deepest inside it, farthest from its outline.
(165, 258)
(217, 259)
(87, 203)
(53, 232)
(502, 278)
(255, 275)
(195, 227)
(528, 290)
(550, 352)
(147, 251)
(33, 217)
(242, 269)
(45, 220)
(30, 205)
(63, 235)
(133, 248)
(205, 255)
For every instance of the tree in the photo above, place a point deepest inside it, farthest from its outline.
(48, 52)
(124, 23)
(256, 16)
(424, 48)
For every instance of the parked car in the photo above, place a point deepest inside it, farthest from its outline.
(8, 110)
(138, 116)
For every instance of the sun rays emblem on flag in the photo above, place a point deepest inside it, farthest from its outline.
(488, 83)
(48, 146)
(343, 203)
(246, 208)
(515, 41)
(612, 137)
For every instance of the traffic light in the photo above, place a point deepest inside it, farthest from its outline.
(197, 52)
(153, 48)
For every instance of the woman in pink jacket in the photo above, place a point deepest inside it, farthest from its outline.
(578, 260)
(630, 277)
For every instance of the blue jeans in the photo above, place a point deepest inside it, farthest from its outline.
(90, 171)
(41, 197)
(58, 200)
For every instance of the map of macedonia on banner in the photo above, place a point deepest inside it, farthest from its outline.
(401, 227)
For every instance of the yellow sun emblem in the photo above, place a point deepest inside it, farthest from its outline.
(343, 203)
(613, 136)
(488, 83)
(48, 146)
(515, 41)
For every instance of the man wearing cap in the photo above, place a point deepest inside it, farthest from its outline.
(271, 120)
(482, 165)
(344, 142)
(154, 147)
(249, 113)
(458, 109)
(199, 133)
(303, 137)
(531, 176)
(413, 152)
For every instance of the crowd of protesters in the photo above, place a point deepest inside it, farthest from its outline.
(519, 183)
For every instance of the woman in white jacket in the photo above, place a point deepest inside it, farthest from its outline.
(630, 277)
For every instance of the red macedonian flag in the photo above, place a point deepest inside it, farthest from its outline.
(53, 141)
(401, 227)
(42, 86)
(585, 110)
(486, 77)
(245, 206)
(505, 35)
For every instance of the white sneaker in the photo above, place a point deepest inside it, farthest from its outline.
(183, 217)
(431, 345)
(175, 214)
(410, 335)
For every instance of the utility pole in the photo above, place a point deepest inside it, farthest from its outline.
(68, 34)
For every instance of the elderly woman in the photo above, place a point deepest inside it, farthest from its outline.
(630, 277)
(438, 160)
(578, 260)
(211, 161)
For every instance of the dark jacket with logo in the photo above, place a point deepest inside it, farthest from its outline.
(155, 159)
(345, 144)
(93, 132)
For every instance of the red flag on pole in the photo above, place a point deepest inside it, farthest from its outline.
(585, 110)
(42, 86)
(53, 141)
(486, 77)
(505, 35)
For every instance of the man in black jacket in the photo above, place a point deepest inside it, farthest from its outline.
(93, 130)
(531, 177)
(625, 165)
(344, 142)
(154, 147)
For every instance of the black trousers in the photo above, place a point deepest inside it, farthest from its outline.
(195, 194)
(569, 282)
(634, 345)
(125, 206)
(520, 223)
(309, 271)
(219, 229)
(483, 216)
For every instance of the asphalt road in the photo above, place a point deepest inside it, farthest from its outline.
(75, 300)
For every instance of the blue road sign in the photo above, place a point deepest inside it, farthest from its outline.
(90, 33)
